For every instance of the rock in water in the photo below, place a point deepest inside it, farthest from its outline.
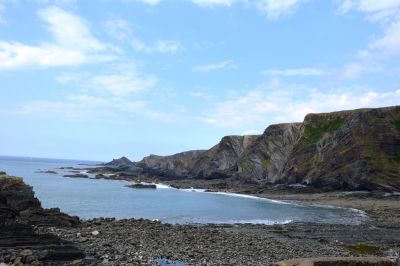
(152, 186)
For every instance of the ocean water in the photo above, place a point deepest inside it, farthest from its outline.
(90, 198)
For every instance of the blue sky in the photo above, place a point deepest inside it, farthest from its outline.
(101, 79)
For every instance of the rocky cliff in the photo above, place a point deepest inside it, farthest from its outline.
(355, 149)
(220, 160)
(265, 158)
(184, 159)
(121, 161)
(21, 213)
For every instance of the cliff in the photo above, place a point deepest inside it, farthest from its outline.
(169, 162)
(219, 161)
(355, 149)
(265, 158)
(121, 161)
(21, 213)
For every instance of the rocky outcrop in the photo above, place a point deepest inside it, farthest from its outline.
(265, 158)
(184, 159)
(77, 176)
(358, 149)
(121, 161)
(21, 213)
(218, 161)
(151, 186)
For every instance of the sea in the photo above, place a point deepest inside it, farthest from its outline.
(91, 198)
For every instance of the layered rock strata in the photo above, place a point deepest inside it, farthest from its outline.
(21, 213)
(350, 150)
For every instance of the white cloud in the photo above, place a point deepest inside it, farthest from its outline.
(387, 12)
(368, 5)
(2, 8)
(196, 94)
(352, 70)
(160, 46)
(278, 8)
(62, 3)
(118, 28)
(251, 132)
(149, 2)
(211, 3)
(389, 44)
(15, 55)
(224, 64)
(69, 30)
(295, 72)
(82, 107)
(73, 44)
(291, 103)
(121, 81)
(168, 46)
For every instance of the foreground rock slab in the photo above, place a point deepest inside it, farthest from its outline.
(20, 216)
(337, 261)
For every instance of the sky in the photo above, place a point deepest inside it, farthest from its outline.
(97, 80)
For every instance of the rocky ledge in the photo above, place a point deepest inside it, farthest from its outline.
(20, 214)
(151, 186)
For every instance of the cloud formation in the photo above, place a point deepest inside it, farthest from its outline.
(212, 3)
(220, 65)
(295, 72)
(120, 80)
(160, 46)
(278, 8)
(291, 104)
(73, 44)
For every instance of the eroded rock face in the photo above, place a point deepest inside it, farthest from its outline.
(265, 158)
(357, 149)
(21, 212)
(183, 159)
(121, 161)
(219, 160)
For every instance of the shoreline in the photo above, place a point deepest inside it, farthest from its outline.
(138, 241)
(383, 209)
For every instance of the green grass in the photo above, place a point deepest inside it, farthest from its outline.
(313, 134)
(266, 163)
(396, 124)
(394, 159)
(366, 249)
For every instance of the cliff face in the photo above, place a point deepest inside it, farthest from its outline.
(220, 159)
(21, 212)
(357, 149)
(19, 205)
(265, 158)
(121, 161)
(184, 159)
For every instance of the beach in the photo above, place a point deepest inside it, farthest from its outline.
(141, 242)
(137, 241)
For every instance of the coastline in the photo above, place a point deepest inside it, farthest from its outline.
(138, 241)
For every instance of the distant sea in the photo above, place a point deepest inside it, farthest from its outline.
(90, 198)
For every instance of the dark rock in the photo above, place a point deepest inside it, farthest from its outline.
(77, 176)
(47, 172)
(142, 186)
(121, 161)
(21, 213)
